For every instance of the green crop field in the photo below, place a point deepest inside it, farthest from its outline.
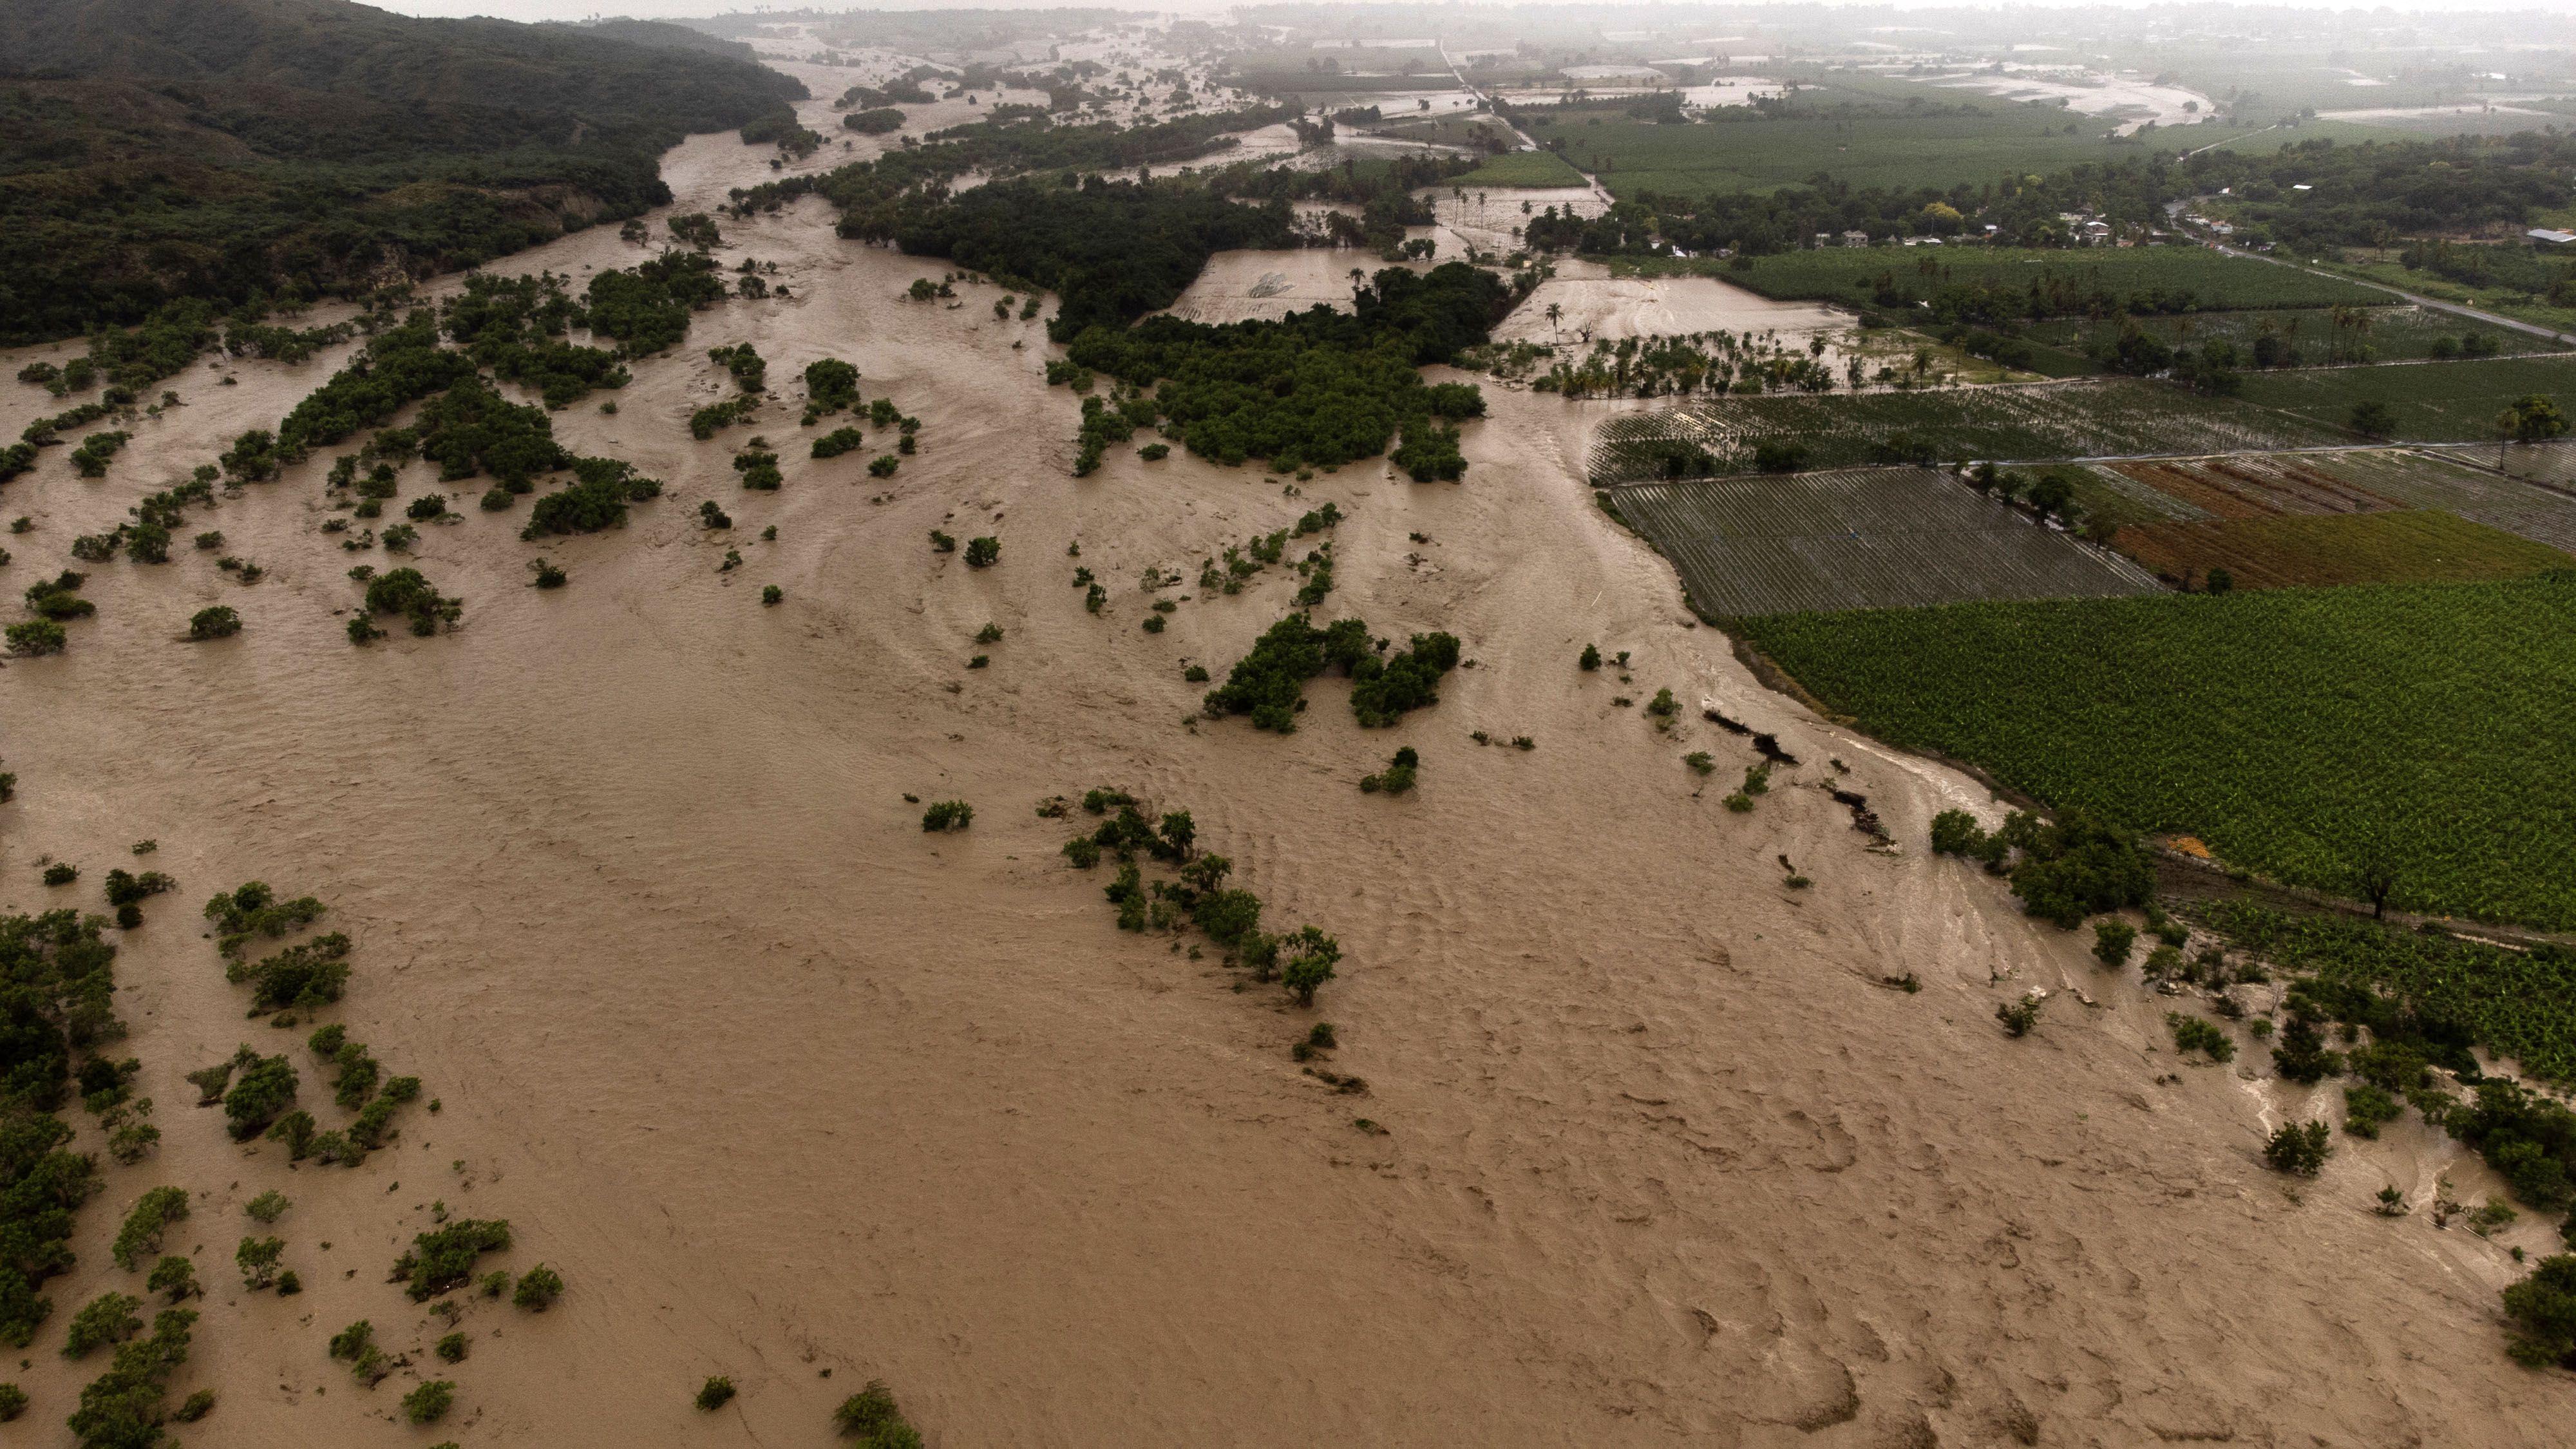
(1867, 538)
(2391, 334)
(2267, 140)
(1867, 149)
(2090, 418)
(2215, 280)
(2294, 731)
(2408, 546)
(1521, 168)
(2434, 402)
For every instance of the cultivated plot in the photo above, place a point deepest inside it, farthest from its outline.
(1866, 538)
(2430, 480)
(2298, 732)
(2378, 480)
(2409, 546)
(2434, 402)
(2306, 336)
(2094, 418)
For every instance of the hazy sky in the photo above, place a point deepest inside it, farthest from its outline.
(660, 9)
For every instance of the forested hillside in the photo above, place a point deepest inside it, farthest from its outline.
(152, 149)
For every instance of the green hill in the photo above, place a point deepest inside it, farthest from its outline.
(153, 149)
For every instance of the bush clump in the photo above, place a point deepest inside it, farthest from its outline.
(257, 1259)
(2064, 871)
(2019, 1015)
(1383, 690)
(1397, 777)
(2199, 1034)
(218, 622)
(103, 1322)
(126, 888)
(144, 1223)
(2367, 1107)
(948, 815)
(175, 1276)
(444, 1258)
(538, 1288)
(596, 500)
(35, 637)
(252, 908)
(715, 1393)
(122, 1406)
(405, 591)
(830, 386)
(2111, 942)
(2542, 1309)
(2300, 1148)
(871, 1418)
(303, 977)
(262, 1090)
(1269, 682)
(430, 1402)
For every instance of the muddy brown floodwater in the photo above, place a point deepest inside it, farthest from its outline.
(784, 1086)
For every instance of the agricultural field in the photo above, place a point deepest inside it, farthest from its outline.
(2413, 479)
(2253, 487)
(2410, 546)
(2552, 463)
(1470, 130)
(2515, 302)
(2314, 336)
(1527, 169)
(1870, 149)
(1866, 538)
(2110, 499)
(2115, 496)
(2426, 724)
(2214, 280)
(2444, 402)
(2104, 417)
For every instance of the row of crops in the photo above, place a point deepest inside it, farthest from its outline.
(2363, 516)
(2297, 732)
(2432, 402)
(2101, 417)
(2253, 486)
(2315, 550)
(2430, 480)
(1866, 538)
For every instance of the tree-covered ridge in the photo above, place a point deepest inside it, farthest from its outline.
(1111, 251)
(152, 149)
(877, 197)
